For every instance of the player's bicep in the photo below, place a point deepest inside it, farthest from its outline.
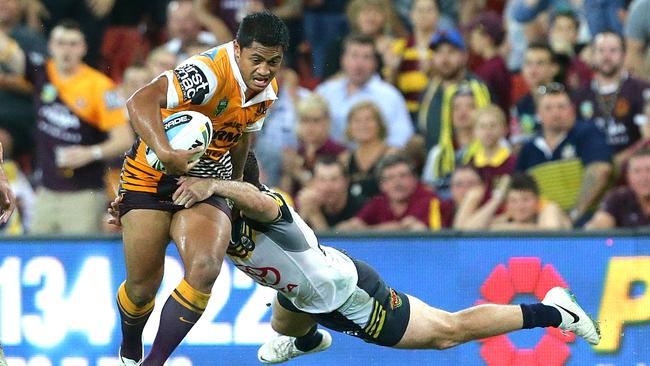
(192, 82)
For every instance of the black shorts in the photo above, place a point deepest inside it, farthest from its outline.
(151, 201)
(384, 312)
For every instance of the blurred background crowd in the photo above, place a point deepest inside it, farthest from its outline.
(404, 115)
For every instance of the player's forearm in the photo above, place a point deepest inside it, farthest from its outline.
(146, 120)
(594, 182)
(239, 154)
(252, 203)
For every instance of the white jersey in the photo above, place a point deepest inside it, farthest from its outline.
(285, 255)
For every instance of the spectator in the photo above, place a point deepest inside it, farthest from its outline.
(16, 108)
(407, 63)
(486, 34)
(325, 202)
(627, 206)
(463, 180)
(324, 22)
(367, 132)
(449, 70)
(604, 15)
(184, 22)
(490, 153)
(570, 160)
(526, 210)
(637, 39)
(539, 69)
(81, 122)
(313, 142)
(403, 204)
(135, 77)
(563, 39)
(92, 17)
(614, 99)
(160, 59)
(361, 82)
(375, 19)
(435, 174)
(477, 208)
(20, 221)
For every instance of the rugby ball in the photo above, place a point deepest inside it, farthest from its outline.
(185, 130)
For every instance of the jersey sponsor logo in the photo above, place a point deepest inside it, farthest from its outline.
(193, 82)
(395, 300)
(228, 134)
(182, 119)
(266, 276)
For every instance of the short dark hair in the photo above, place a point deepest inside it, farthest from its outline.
(544, 46)
(359, 38)
(263, 27)
(390, 160)
(565, 13)
(524, 182)
(644, 151)
(329, 160)
(69, 24)
(252, 170)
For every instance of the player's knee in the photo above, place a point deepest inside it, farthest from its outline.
(205, 270)
(142, 293)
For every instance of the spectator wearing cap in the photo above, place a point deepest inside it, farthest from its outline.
(448, 73)
(614, 99)
(563, 39)
(569, 159)
(486, 35)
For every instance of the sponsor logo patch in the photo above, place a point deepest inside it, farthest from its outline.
(395, 300)
(193, 82)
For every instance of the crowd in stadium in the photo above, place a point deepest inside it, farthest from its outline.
(404, 115)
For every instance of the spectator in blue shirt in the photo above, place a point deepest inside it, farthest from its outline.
(570, 160)
(361, 82)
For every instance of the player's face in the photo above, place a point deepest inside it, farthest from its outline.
(608, 54)
(638, 175)
(398, 183)
(67, 47)
(258, 64)
(522, 205)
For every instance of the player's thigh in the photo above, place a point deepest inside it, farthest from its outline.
(288, 320)
(428, 327)
(146, 235)
(202, 234)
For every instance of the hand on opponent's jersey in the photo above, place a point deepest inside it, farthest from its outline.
(177, 162)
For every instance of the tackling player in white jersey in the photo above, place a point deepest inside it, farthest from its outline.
(322, 285)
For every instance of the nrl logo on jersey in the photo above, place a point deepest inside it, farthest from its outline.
(223, 104)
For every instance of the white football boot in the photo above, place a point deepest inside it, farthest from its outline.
(123, 361)
(574, 319)
(283, 349)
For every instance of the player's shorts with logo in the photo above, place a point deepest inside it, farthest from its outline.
(374, 312)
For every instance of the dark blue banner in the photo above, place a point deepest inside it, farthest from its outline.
(57, 303)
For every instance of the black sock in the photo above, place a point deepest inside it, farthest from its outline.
(309, 341)
(540, 315)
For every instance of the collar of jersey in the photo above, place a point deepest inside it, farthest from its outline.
(267, 94)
